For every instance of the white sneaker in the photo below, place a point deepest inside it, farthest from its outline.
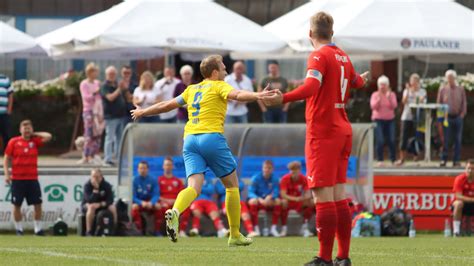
(182, 234)
(253, 234)
(307, 233)
(193, 232)
(256, 230)
(222, 233)
(274, 231)
(284, 230)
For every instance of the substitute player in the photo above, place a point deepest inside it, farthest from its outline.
(463, 189)
(204, 145)
(330, 75)
(244, 214)
(205, 205)
(295, 196)
(22, 154)
(170, 186)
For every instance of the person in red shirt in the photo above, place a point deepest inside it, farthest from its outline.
(295, 195)
(330, 76)
(170, 186)
(463, 189)
(22, 155)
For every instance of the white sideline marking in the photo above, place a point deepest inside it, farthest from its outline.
(76, 257)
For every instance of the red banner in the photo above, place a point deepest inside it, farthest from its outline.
(427, 198)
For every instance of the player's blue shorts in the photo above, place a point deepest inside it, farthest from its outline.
(201, 151)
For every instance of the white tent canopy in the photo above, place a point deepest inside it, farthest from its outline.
(385, 29)
(13, 40)
(160, 26)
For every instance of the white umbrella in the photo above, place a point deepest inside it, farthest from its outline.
(161, 25)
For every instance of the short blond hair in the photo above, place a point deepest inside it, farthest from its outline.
(209, 64)
(91, 67)
(321, 25)
(142, 79)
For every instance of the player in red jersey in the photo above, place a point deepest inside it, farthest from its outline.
(295, 196)
(22, 153)
(329, 77)
(463, 189)
(170, 186)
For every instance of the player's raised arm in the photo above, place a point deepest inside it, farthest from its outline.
(158, 108)
(359, 81)
(247, 96)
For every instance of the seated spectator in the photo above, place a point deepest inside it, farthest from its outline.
(296, 196)
(264, 193)
(413, 93)
(98, 196)
(383, 103)
(205, 204)
(144, 96)
(464, 196)
(454, 96)
(170, 186)
(244, 209)
(145, 197)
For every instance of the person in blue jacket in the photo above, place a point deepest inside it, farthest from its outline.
(244, 210)
(206, 204)
(146, 194)
(264, 194)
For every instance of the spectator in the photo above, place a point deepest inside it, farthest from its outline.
(22, 154)
(6, 108)
(413, 93)
(98, 196)
(244, 209)
(204, 204)
(464, 196)
(274, 114)
(115, 113)
(146, 194)
(129, 83)
(237, 111)
(264, 193)
(165, 89)
(295, 195)
(92, 115)
(144, 96)
(454, 96)
(186, 72)
(170, 186)
(383, 103)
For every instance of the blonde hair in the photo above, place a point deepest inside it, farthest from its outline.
(142, 79)
(91, 67)
(209, 64)
(321, 25)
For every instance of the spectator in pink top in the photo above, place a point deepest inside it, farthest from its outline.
(92, 115)
(383, 103)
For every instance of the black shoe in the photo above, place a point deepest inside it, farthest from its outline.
(19, 232)
(40, 233)
(342, 262)
(317, 261)
(442, 164)
(89, 234)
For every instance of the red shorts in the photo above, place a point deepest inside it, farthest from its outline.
(326, 161)
(204, 206)
(165, 205)
(243, 207)
(295, 205)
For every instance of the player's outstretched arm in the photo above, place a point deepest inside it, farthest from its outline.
(156, 109)
(247, 96)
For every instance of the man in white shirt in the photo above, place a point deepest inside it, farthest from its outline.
(165, 88)
(237, 111)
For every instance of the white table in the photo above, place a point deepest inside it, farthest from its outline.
(428, 107)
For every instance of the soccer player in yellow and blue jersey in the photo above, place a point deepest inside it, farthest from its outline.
(204, 145)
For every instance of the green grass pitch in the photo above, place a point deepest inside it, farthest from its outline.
(73, 250)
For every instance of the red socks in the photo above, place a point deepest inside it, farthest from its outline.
(196, 222)
(218, 223)
(137, 219)
(326, 223)
(184, 220)
(248, 225)
(343, 232)
(284, 216)
(253, 208)
(276, 213)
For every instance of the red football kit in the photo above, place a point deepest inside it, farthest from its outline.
(296, 189)
(330, 75)
(169, 189)
(463, 186)
(24, 156)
